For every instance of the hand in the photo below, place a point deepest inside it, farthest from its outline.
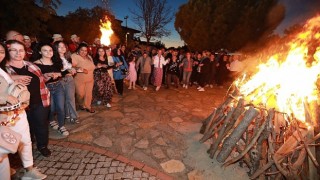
(25, 80)
(72, 71)
(12, 100)
(85, 71)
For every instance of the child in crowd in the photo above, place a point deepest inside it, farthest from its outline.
(132, 77)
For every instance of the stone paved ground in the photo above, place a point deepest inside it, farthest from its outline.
(146, 133)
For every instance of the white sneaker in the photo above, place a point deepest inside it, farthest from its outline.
(34, 173)
(158, 88)
(54, 125)
(186, 86)
(99, 102)
(63, 130)
(108, 105)
(145, 88)
(201, 89)
(183, 85)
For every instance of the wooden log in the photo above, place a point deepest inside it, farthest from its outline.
(238, 111)
(312, 161)
(209, 120)
(209, 132)
(254, 139)
(216, 143)
(234, 137)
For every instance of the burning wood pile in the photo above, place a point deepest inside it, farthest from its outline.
(267, 121)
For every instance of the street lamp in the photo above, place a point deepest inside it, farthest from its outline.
(127, 39)
(126, 18)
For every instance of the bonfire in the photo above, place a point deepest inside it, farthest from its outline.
(267, 121)
(106, 31)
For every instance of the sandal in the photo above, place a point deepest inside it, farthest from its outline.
(90, 110)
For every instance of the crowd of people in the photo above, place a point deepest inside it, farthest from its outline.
(63, 78)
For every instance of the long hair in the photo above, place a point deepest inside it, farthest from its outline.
(56, 60)
(6, 57)
(67, 55)
(97, 53)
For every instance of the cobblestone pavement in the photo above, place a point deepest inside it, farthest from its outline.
(144, 135)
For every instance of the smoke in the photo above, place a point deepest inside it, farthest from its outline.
(297, 12)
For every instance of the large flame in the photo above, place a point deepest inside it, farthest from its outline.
(288, 80)
(106, 31)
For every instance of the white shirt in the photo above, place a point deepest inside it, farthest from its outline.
(158, 64)
(236, 66)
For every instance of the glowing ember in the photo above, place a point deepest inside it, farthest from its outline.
(106, 31)
(288, 80)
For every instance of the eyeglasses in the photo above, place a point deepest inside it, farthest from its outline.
(17, 51)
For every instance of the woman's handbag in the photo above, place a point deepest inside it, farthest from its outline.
(9, 140)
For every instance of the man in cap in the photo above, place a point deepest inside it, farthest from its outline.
(57, 37)
(96, 44)
(75, 43)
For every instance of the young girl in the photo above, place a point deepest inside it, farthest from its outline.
(132, 77)
(67, 81)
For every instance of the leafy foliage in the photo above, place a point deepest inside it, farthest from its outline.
(214, 24)
(152, 16)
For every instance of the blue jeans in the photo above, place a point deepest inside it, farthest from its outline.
(57, 102)
(38, 120)
(70, 101)
(186, 77)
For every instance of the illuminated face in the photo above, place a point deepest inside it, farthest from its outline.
(101, 52)
(2, 53)
(83, 51)
(17, 52)
(62, 49)
(46, 51)
(27, 43)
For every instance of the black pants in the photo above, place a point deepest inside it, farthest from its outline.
(203, 79)
(38, 120)
(119, 86)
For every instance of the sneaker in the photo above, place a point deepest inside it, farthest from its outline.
(108, 105)
(183, 85)
(34, 173)
(63, 131)
(186, 86)
(54, 125)
(99, 102)
(45, 151)
(74, 120)
(67, 118)
(158, 88)
(145, 88)
(201, 89)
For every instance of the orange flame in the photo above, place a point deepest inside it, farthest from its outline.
(288, 80)
(106, 31)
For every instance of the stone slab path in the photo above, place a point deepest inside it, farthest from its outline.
(144, 135)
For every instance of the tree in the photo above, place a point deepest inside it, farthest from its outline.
(23, 15)
(152, 16)
(232, 24)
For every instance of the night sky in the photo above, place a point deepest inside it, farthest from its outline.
(297, 11)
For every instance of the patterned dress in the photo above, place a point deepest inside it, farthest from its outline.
(103, 88)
